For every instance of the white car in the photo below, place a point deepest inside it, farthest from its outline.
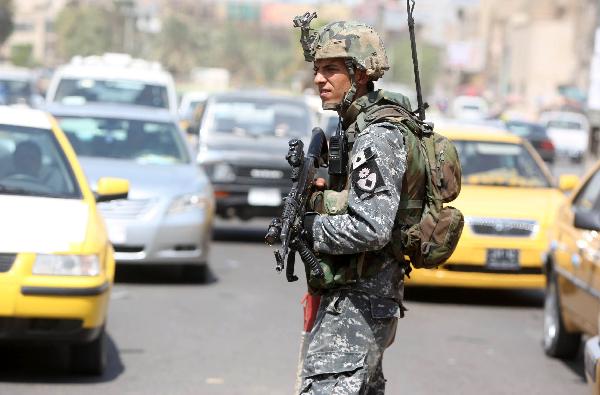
(569, 132)
(113, 78)
(470, 108)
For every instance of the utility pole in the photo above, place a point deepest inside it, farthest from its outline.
(126, 9)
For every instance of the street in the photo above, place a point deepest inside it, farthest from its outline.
(239, 334)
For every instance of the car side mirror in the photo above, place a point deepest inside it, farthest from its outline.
(587, 219)
(111, 189)
(568, 182)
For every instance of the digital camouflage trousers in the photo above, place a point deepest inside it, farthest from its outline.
(346, 344)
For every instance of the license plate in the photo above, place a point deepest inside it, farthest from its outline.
(264, 197)
(502, 259)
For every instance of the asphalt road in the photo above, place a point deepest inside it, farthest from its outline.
(239, 334)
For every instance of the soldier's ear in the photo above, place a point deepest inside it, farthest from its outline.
(361, 76)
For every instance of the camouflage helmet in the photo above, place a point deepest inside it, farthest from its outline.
(353, 40)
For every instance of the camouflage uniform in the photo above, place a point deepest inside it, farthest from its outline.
(356, 322)
(357, 319)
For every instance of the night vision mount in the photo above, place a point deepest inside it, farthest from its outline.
(308, 36)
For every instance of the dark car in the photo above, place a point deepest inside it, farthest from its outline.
(537, 136)
(242, 144)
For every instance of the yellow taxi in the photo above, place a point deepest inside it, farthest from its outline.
(572, 301)
(56, 262)
(508, 199)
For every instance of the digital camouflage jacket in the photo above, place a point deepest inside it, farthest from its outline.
(377, 164)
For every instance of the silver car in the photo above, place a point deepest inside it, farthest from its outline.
(169, 213)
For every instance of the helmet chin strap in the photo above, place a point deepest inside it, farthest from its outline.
(348, 96)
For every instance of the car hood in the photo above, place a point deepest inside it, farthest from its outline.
(232, 148)
(42, 225)
(538, 204)
(147, 180)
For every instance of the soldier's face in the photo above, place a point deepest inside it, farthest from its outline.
(331, 79)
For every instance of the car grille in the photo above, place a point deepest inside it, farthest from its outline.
(483, 269)
(128, 248)
(6, 262)
(502, 227)
(125, 208)
(259, 175)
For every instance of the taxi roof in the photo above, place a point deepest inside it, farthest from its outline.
(24, 116)
(477, 133)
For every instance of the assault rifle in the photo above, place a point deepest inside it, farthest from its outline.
(288, 228)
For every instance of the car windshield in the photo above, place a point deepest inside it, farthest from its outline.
(87, 90)
(14, 91)
(562, 124)
(527, 130)
(33, 164)
(142, 141)
(500, 164)
(255, 118)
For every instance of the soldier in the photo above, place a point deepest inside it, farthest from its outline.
(361, 295)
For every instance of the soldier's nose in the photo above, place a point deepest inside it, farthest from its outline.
(319, 79)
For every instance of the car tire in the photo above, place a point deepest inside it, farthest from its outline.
(558, 343)
(90, 358)
(195, 273)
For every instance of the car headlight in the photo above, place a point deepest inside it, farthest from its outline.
(66, 265)
(222, 172)
(188, 201)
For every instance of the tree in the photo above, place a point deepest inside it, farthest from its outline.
(401, 66)
(86, 29)
(6, 20)
(22, 55)
(180, 44)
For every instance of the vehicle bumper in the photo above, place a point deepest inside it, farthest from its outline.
(592, 367)
(51, 306)
(467, 268)
(445, 278)
(178, 238)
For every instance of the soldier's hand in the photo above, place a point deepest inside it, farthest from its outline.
(320, 184)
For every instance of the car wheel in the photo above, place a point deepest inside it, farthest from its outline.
(195, 273)
(558, 343)
(90, 358)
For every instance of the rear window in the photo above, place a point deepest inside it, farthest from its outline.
(87, 90)
(527, 130)
(560, 124)
(14, 91)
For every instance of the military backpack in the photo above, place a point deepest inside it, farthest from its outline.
(426, 231)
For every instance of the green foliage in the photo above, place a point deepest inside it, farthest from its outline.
(86, 29)
(6, 19)
(401, 66)
(180, 43)
(22, 55)
(255, 55)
